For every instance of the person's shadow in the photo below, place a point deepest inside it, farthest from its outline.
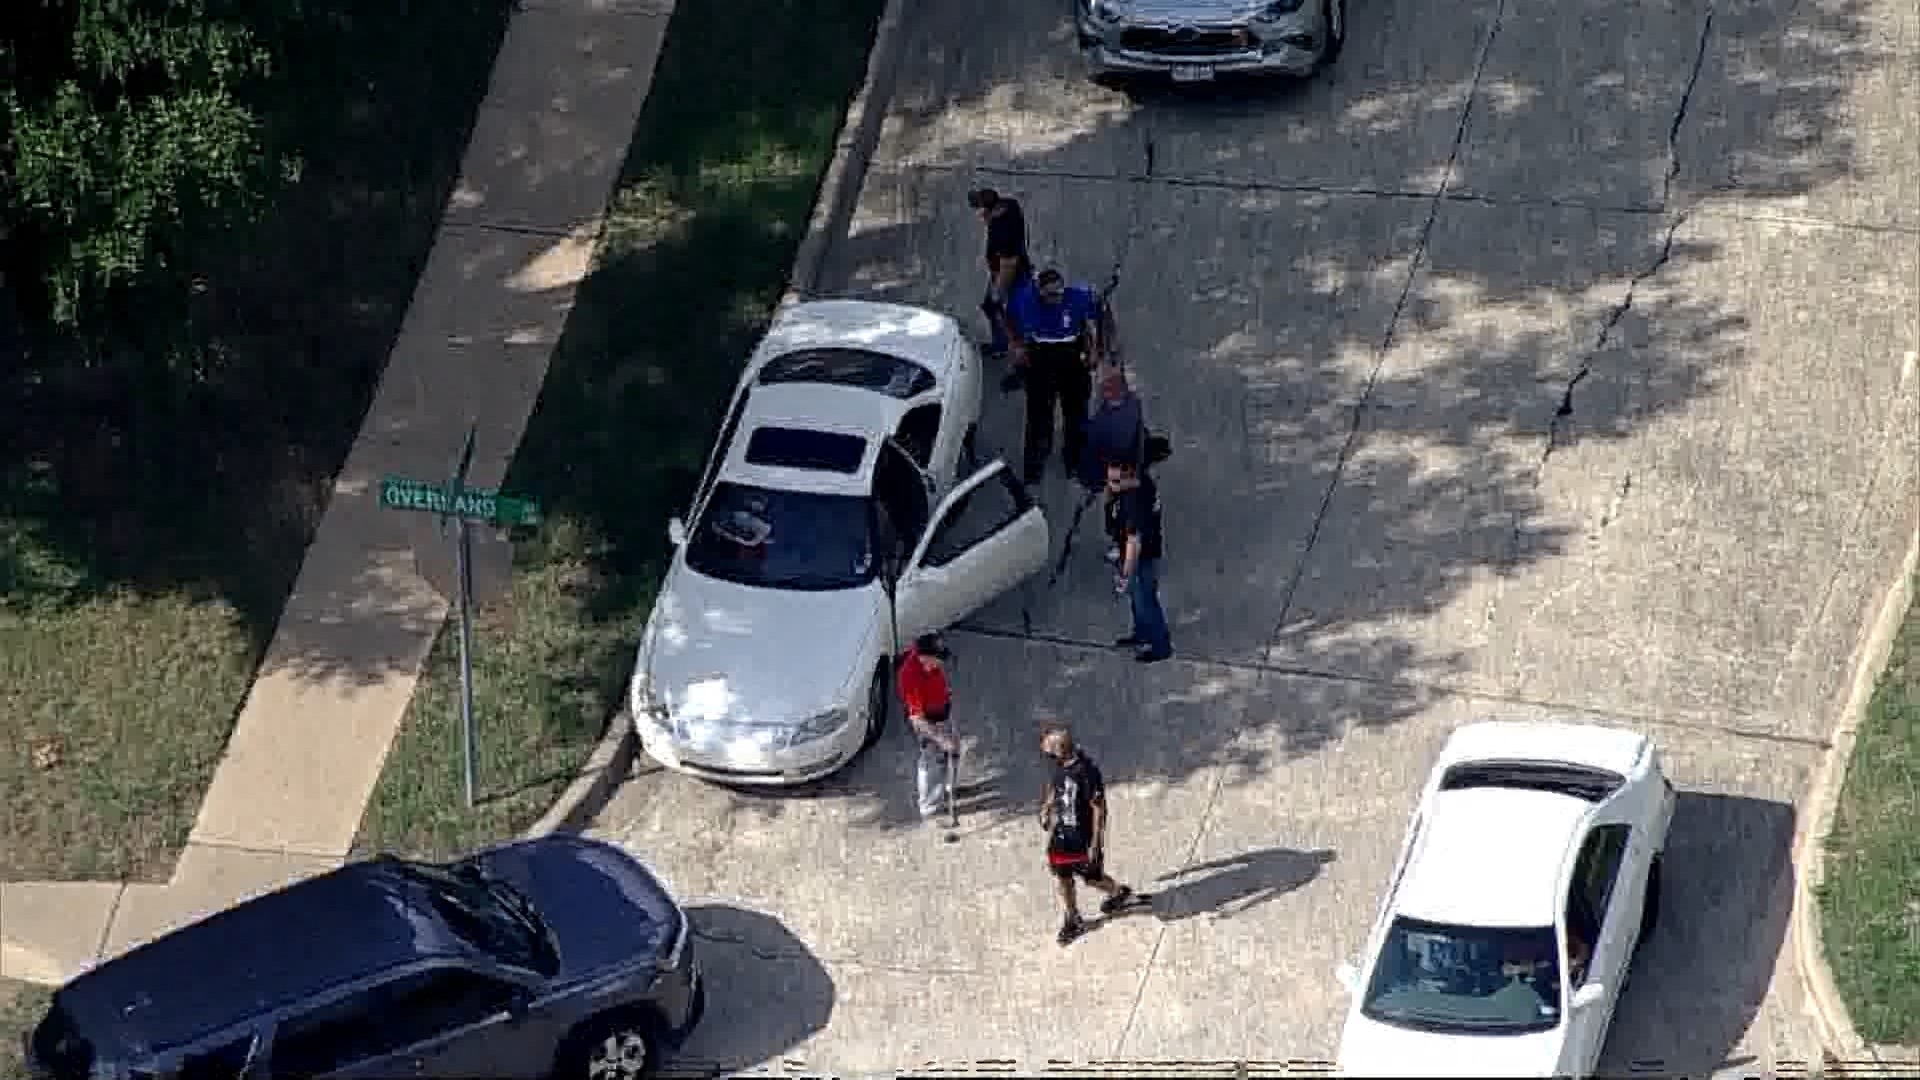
(1233, 885)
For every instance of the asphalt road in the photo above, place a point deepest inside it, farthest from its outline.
(1551, 362)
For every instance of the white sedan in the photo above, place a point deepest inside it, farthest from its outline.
(1529, 875)
(840, 515)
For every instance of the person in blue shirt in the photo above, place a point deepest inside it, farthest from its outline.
(1054, 330)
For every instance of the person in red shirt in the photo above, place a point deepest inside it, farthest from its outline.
(928, 700)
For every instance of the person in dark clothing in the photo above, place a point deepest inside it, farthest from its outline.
(1074, 816)
(1055, 331)
(1133, 506)
(1116, 431)
(1007, 261)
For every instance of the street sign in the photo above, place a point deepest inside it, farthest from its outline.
(484, 505)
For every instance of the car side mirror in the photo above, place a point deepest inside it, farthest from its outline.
(677, 532)
(1588, 996)
(1348, 976)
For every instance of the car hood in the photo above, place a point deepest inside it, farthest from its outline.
(1370, 1048)
(604, 908)
(722, 653)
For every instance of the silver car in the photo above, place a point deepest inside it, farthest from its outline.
(1194, 41)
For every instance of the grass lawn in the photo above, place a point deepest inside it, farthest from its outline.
(1870, 900)
(21, 1005)
(718, 185)
(149, 535)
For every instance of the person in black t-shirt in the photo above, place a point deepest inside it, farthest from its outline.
(1074, 815)
(1134, 522)
(1007, 261)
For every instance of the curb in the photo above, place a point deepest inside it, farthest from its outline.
(612, 760)
(853, 151)
(606, 768)
(1829, 1011)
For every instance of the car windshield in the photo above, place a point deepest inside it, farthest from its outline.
(783, 539)
(490, 915)
(1469, 979)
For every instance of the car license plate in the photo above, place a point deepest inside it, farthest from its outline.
(1193, 73)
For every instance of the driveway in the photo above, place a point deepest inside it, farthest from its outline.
(1547, 363)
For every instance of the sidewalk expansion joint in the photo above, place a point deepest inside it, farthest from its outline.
(740, 941)
(1449, 198)
(1264, 668)
(1414, 265)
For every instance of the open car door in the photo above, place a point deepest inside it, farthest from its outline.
(984, 538)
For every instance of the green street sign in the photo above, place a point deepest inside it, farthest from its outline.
(473, 504)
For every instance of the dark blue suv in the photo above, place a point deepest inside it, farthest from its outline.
(559, 956)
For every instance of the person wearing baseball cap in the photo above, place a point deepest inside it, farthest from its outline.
(927, 698)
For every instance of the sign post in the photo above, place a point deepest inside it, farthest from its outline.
(460, 506)
(463, 571)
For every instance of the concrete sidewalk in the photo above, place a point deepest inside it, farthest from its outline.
(516, 239)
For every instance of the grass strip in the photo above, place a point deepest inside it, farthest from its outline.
(1870, 898)
(737, 130)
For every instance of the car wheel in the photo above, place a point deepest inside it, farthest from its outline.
(1650, 907)
(621, 1047)
(1336, 13)
(877, 702)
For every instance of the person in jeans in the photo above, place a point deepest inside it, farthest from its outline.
(928, 700)
(1133, 506)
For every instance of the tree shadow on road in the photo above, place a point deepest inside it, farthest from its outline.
(767, 993)
(1234, 884)
(1727, 885)
(1378, 314)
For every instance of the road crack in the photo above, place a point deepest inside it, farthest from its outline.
(1136, 209)
(1680, 112)
(1563, 414)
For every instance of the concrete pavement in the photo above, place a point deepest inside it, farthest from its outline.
(517, 236)
(1533, 363)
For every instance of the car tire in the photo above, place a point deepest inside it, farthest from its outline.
(1650, 907)
(878, 703)
(619, 1046)
(1336, 32)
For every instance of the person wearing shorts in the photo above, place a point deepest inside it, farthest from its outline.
(1074, 815)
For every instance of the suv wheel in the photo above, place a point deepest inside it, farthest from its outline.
(1336, 15)
(620, 1047)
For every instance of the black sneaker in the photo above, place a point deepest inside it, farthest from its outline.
(1117, 901)
(1070, 930)
(1151, 656)
(1131, 641)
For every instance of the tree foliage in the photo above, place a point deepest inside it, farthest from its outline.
(126, 125)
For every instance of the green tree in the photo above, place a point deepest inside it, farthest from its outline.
(126, 128)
